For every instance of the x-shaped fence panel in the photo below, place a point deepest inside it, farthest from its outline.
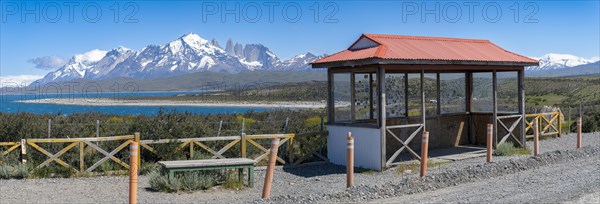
(511, 129)
(192, 142)
(404, 144)
(547, 126)
(11, 147)
(265, 152)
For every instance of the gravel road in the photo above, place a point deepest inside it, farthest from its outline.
(555, 176)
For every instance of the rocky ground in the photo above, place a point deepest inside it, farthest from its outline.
(559, 174)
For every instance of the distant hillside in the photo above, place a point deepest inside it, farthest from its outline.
(194, 82)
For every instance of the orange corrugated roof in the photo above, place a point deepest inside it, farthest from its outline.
(411, 48)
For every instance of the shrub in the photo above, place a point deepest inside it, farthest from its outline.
(148, 167)
(232, 183)
(13, 171)
(188, 181)
(508, 149)
(53, 171)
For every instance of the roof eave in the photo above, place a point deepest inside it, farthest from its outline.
(372, 61)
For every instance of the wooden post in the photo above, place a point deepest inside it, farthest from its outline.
(559, 122)
(521, 99)
(49, 127)
(243, 139)
(81, 157)
(137, 140)
(489, 142)
(536, 137)
(382, 114)
(321, 135)
(220, 126)
(97, 128)
(424, 153)
(191, 150)
(423, 99)
(23, 151)
(133, 171)
(569, 126)
(495, 108)
(270, 168)
(579, 137)
(350, 161)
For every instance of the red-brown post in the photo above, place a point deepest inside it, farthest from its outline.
(270, 168)
(490, 136)
(350, 162)
(424, 152)
(579, 132)
(133, 172)
(536, 138)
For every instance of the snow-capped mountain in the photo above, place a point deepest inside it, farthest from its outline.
(188, 54)
(559, 61)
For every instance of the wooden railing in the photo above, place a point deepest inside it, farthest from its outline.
(80, 143)
(548, 123)
(248, 146)
(245, 141)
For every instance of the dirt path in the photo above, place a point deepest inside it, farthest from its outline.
(575, 180)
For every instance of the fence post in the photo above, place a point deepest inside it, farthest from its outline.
(350, 161)
(97, 128)
(579, 132)
(270, 168)
(243, 139)
(49, 127)
(191, 150)
(490, 135)
(81, 157)
(137, 140)
(559, 123)
(569, 127)
(220, 126)
(536, 137)
(424, 153)
(23, 151)
(133, 171)
(321, 132)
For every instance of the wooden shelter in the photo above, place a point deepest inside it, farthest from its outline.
(387, 89)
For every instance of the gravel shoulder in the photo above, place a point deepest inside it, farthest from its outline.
(555, 177)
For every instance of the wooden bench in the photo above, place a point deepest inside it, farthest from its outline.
(212, 164)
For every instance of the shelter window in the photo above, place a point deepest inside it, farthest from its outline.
(452, 93)
(395, 84)
(342, 97)
(508, 91)
(363, 94)
(482, 100)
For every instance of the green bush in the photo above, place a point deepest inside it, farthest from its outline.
(53, 172)
(508, 149)
(188, 181)
(13, 171)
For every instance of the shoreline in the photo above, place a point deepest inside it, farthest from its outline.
(122, 102)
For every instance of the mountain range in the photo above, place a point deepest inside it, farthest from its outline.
(191, 53)
(555, 61)
(187, 54)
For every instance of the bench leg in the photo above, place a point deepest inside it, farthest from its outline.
(251, 176)
(171, 174)
(241, 175)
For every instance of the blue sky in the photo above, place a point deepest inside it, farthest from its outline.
(571, 27)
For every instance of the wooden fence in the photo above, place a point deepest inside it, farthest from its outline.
(244, 142)
(548, 123)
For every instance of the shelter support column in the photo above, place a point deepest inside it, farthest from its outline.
(521, 86)
(423, 99)
(495, 107)
(382, 115)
